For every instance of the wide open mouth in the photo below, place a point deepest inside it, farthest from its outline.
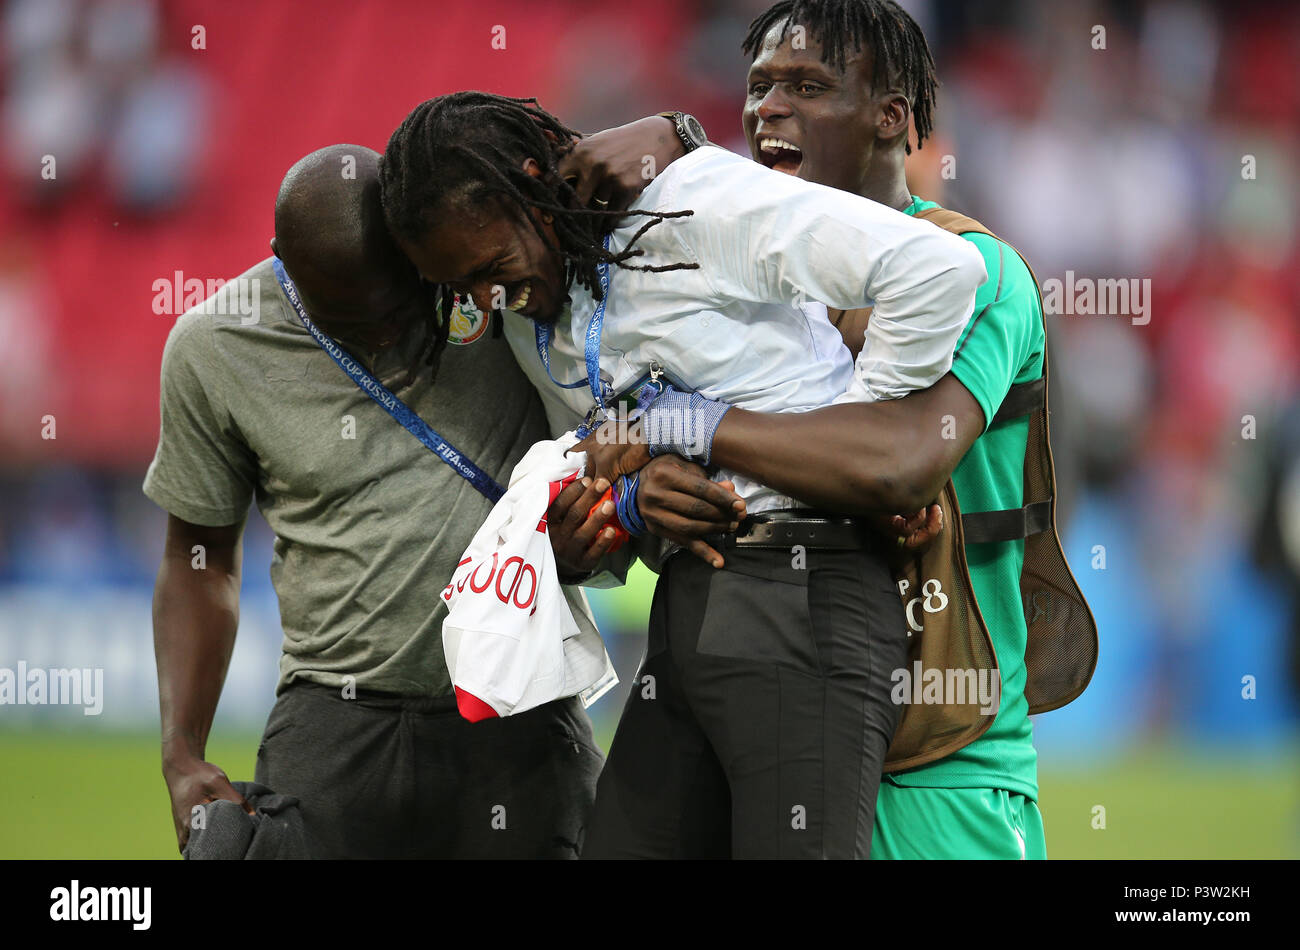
(779, 154)
(522, 294)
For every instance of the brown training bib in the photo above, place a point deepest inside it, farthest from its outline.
(950, 639)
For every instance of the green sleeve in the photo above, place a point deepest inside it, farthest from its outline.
(1003, 343)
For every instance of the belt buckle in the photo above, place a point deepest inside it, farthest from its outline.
(757, 530)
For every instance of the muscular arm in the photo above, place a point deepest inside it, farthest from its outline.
(195, 613)
(856, 458)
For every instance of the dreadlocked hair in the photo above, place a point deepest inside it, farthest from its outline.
(470, 147)
(899, 53)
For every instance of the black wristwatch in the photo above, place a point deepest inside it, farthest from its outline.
(689, 130)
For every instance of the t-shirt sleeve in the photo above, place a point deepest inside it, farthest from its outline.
(1003, 343)
(203, 471)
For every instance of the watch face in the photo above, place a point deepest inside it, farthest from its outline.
(694, 130)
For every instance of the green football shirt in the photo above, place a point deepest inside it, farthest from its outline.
(1003, 344)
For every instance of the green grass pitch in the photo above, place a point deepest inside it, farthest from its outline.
(77, 796)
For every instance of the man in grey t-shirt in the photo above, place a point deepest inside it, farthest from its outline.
(369, 526)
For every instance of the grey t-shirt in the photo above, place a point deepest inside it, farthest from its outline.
(369, 523)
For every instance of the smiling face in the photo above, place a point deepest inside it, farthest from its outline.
(488, 251)
(804, 118)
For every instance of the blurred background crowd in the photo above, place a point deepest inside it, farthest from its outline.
(1169, 152)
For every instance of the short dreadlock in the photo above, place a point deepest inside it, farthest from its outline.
(899, 53)
(470, 147)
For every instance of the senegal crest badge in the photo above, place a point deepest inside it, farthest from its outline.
(467, 323)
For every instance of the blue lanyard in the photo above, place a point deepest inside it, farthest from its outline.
(392, 405)
(591, 346)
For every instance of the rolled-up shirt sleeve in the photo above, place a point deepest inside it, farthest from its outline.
(915, 325)
(770, 238)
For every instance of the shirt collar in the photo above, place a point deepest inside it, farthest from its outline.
(915, 206)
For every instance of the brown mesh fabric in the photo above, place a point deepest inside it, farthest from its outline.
(953, 637)
(1061, 649)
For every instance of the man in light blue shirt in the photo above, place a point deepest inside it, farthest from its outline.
(764, 713)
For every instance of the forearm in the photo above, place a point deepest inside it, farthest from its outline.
(609, 169)
(667, 146)
(844, 458)
(648, 145)
(195, 616)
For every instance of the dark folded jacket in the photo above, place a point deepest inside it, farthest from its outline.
(228, 833)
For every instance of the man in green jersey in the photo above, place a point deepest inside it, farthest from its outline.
(831, 89)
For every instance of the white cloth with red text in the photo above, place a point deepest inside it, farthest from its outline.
(510, 639)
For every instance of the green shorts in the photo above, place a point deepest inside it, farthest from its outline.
(956, 823)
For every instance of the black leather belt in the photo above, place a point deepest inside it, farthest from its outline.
(787, 527)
